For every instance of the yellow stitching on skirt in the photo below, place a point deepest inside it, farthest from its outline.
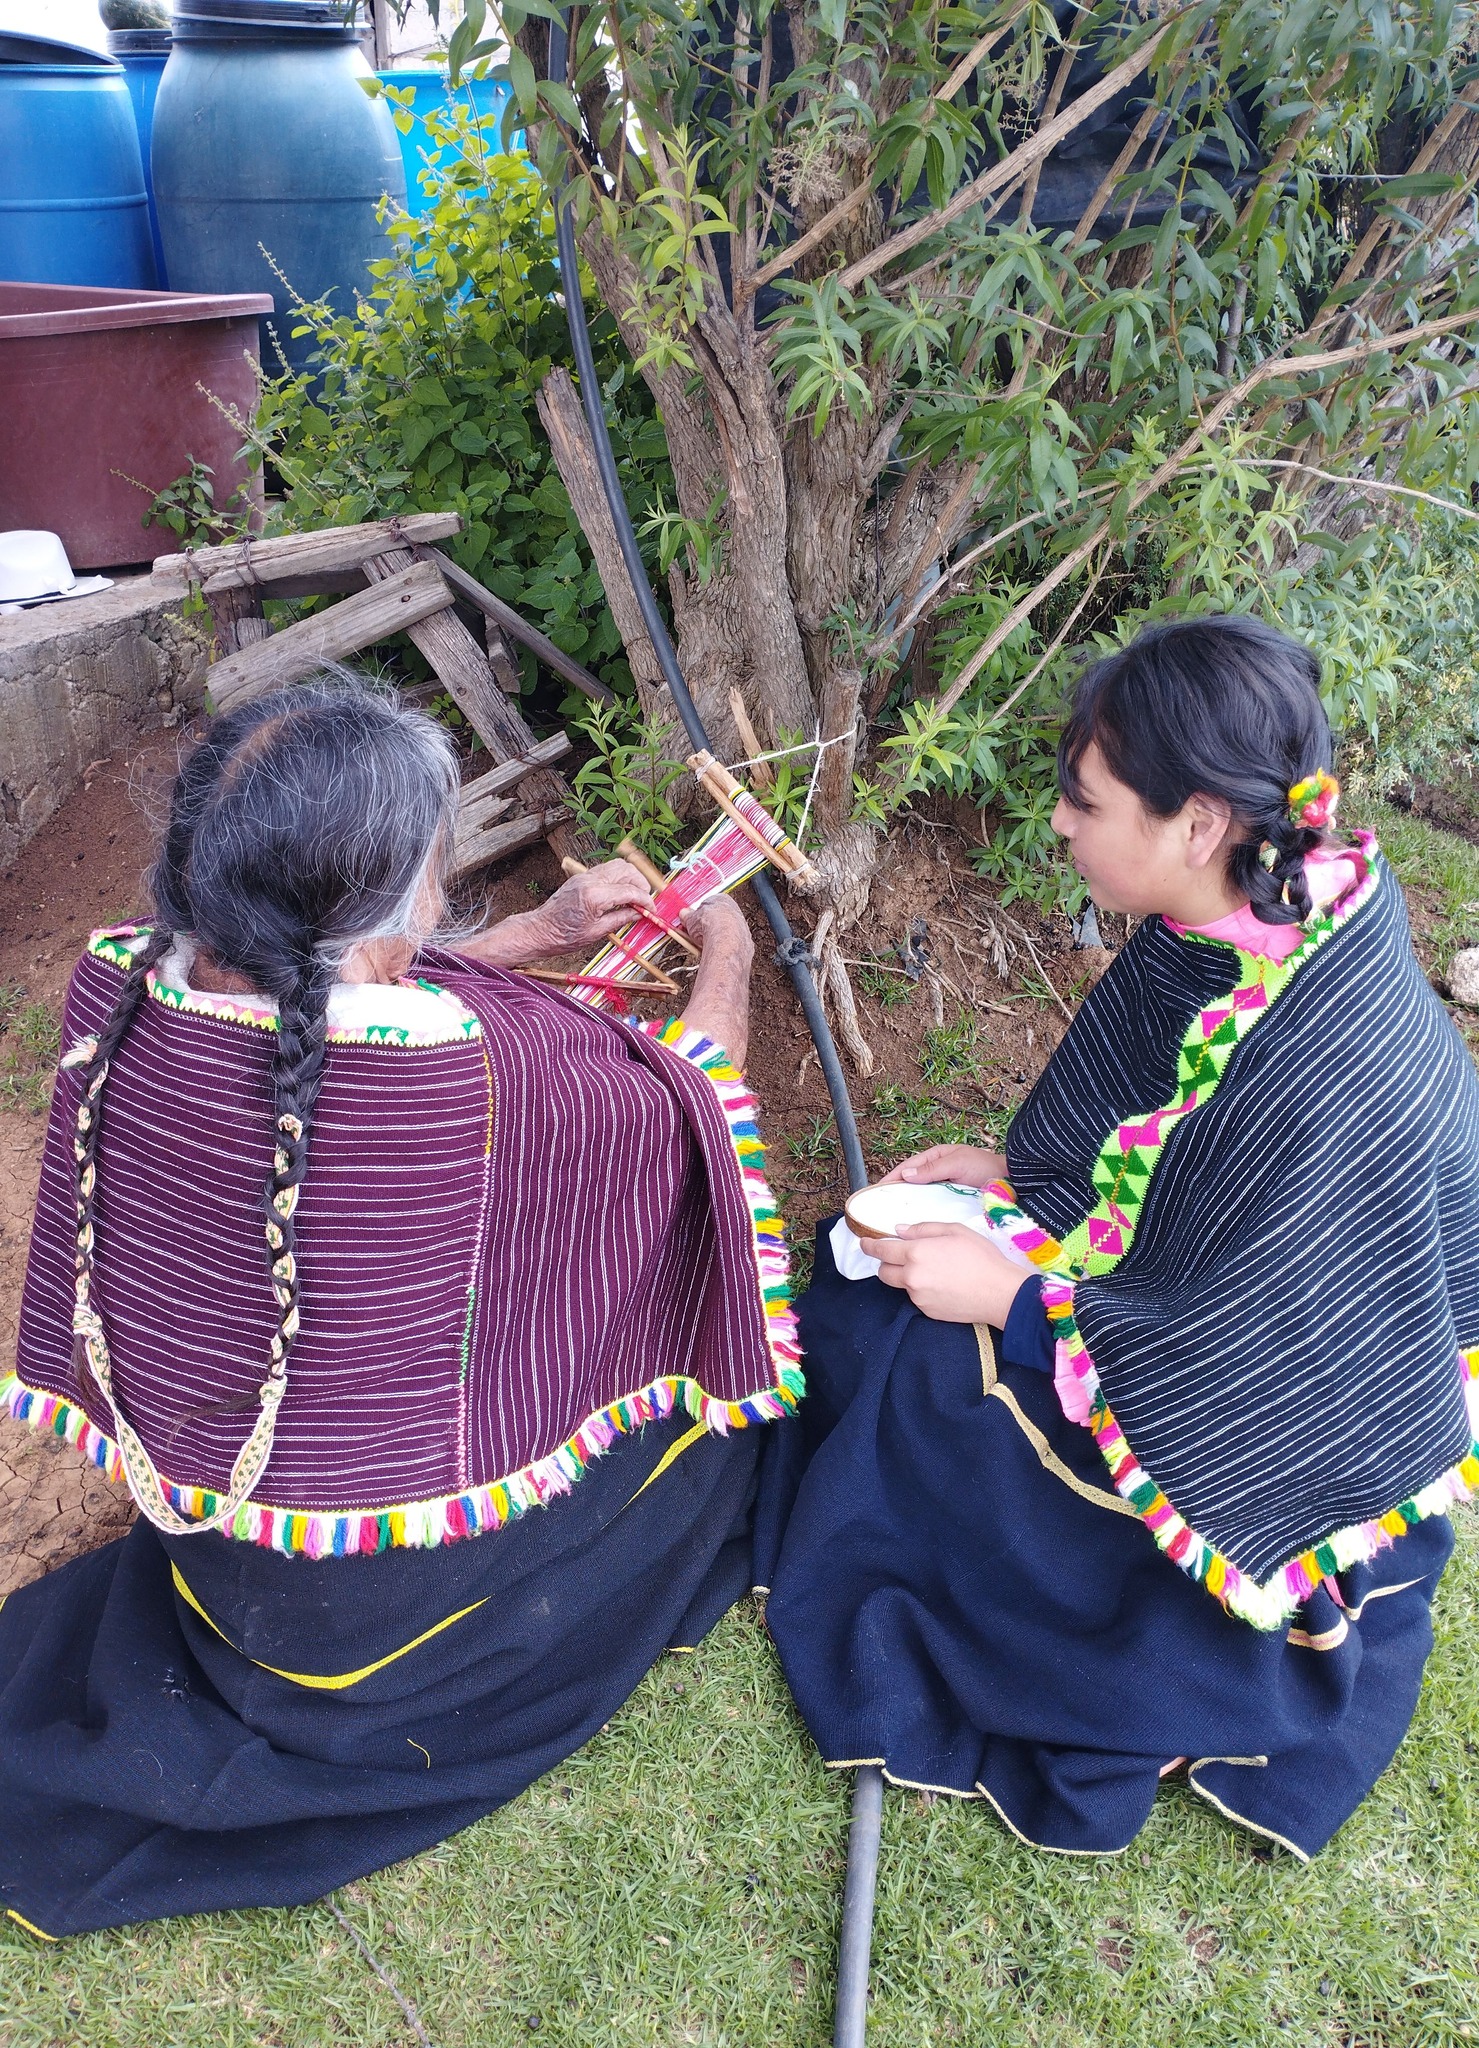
(309, 1678)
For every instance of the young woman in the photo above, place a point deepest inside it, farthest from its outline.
(352, 1256)
(1157, 1473)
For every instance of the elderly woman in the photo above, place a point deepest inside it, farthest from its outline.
(423, 1310)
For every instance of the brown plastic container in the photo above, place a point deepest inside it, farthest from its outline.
(99, 385)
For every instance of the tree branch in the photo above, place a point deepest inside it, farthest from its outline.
(1361, 255)
(977, 55)
(746, 287)
(1049, 113)
(1361, 483)
(1265, 373)
(1012, 168)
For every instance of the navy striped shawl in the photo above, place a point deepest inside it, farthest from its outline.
(513, 1247)
(1275, 1363)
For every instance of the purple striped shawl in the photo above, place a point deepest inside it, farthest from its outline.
(512, 1248)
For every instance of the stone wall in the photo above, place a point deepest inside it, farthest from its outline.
(78, 680)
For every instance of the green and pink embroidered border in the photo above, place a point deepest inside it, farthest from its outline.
(1132, 1151)
(1121, 1174)
(113, 944)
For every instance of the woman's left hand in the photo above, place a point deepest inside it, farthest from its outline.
(591, 906)
(949, 1273)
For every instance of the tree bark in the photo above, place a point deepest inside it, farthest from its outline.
(563, 419)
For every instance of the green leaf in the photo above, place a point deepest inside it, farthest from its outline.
(561, 102)
(522, 79)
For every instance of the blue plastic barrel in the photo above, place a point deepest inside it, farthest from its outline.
(143, 53)
(264, 140)
(73, 209)
(485, 100)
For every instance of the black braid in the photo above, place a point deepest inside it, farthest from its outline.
(91, 1075)
(297, 1076)
(304, 822)
(1278, 893)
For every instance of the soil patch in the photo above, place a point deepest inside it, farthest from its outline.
(1452, 805)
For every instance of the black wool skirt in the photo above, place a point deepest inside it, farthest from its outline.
(958, 1594)
(193, 1723)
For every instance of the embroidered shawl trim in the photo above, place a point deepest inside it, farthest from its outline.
(117, 944)
(424, 1524)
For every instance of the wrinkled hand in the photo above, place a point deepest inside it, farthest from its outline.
(970, 1165)
(718, 921)
(590, 907)
(949, 1273)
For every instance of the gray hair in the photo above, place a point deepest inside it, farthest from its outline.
(303, 825)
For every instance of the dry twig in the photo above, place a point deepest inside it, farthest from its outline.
(408, 2010)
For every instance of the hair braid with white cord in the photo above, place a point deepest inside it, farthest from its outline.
(307, 823)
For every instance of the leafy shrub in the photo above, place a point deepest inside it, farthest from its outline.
(622, 790)
(423, 399)
(187, 508)
(1393, 615)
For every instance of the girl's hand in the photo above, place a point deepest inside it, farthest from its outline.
(948, 1272)
(971, 1165)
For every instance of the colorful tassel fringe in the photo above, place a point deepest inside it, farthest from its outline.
(471, 1512)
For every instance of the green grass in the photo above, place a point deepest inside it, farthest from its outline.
(898, 1122)
(885, 980)
(1439, 861)
(680, 1881)
(30, 1040)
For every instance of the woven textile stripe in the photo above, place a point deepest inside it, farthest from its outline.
(1267, 1310)
(514, 1248)
(717, 864)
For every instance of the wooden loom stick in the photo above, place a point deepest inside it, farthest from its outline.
(760, 773)
(656, 881)
(650, 872)
(607, 982)
(659, 979)
(723, 788)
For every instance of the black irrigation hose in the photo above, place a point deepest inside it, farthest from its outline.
(792, 952)
(867, 1808)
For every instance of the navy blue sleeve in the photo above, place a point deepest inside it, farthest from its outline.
(1028, 1337)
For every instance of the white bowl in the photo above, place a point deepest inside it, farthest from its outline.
(882, 1211)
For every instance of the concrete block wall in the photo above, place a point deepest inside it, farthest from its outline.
(79, 680)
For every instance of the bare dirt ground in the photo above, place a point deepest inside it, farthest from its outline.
(960, 1000)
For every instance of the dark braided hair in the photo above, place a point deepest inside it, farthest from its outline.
(308, 823)
(1223, 706)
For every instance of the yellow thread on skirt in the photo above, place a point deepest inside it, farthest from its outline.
(676, 1450)
(312, 1679)
(30, 1927)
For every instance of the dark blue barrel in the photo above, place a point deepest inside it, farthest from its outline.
(143, 53)
(265, 140)
(73, 209)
